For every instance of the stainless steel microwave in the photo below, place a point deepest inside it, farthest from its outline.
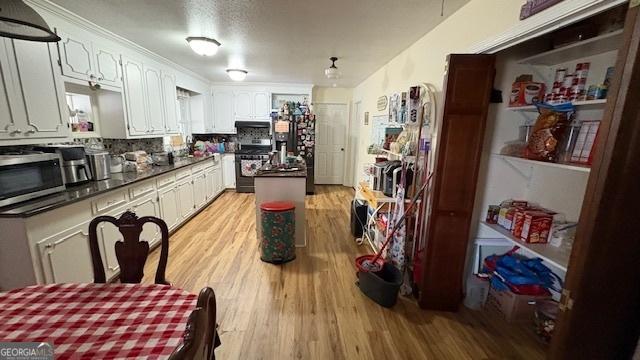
(27, 176)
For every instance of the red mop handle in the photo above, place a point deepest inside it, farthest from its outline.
(396, 225)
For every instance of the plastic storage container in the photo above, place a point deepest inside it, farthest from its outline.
(382, 286)
(278, 232)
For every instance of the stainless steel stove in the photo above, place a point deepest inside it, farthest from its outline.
(250, 158)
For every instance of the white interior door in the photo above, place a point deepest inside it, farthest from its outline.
(352, 168)
(331, 125)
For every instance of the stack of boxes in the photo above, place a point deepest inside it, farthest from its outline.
(526, 221)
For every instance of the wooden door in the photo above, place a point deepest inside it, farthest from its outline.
(134, 94)
(467, 89)
(76, 56)
(42, 89)
(601, 316)
(223, 113)
(154, 99)
(169, 206)
(66, 257)
(261, 105)
(242, 105)
(170, 103)
(331, 125)
(107, 66)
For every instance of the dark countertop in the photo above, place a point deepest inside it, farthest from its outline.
(302, 173)
(90, 189)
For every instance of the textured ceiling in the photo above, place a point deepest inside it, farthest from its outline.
(275, 40)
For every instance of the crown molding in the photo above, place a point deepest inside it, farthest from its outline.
(557, 16)
(77, 20)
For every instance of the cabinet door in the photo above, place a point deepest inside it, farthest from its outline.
(149, 207)
(223, 113)
(133, 81)
(219, 182)
(76, 56)
(155, 106)
(261, 106)
(229, 171)
(169, 211)
(66, 257)
(185, 199)
(8, 89)
(107, 66)
(243, 105)
(43, 95)
(170, 99)
(210, 177)
(200, 190)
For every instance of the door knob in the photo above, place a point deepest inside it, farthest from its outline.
(341, 149)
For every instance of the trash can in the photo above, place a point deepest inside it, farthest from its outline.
(277, 245)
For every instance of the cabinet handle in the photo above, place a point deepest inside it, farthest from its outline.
(30, 131)
(49, 246)
(100, 78)
(17, 131)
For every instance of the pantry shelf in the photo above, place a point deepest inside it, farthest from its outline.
(584, 103)
(582, 49)
(573, 167)
(552, 255)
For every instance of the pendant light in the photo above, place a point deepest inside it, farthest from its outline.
(203, 46)
(237, 74)
(332, 71)
(20, 21)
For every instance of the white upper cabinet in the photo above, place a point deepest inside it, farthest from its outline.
(154, 101)
(134, 96)
(107, 66)
(76, 56)
(250, 105)
(170, 99)
(87, 60)
(243, 105)
(261, 105)
(223, 112)
(32, 100)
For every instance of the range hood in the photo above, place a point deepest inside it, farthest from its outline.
(253, 124)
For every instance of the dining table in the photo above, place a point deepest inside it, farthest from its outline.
(98, 321)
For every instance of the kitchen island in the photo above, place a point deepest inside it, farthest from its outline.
(289, 185)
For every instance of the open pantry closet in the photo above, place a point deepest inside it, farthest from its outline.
(585, 183)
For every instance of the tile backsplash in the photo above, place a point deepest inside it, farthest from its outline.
(119, 146)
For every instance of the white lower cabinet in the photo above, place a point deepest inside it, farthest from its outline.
(169, 206)
(200, 189)
(186, 202)
(66, 257)
(229, 171)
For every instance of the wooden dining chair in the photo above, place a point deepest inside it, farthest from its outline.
(200, 336)
(131, 253)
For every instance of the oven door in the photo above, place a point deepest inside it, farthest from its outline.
(249, 167)
(22, 180)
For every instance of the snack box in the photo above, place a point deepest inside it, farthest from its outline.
(526, 93)
(536, 227)
(518, 222)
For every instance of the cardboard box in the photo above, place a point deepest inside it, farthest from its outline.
(511, 306)
(536, 227)
(526, 93)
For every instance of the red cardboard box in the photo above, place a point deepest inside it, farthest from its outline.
(526, 93)
(536, 227)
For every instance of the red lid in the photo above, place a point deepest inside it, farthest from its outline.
(278, 206)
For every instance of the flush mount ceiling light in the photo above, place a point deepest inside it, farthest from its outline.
(332, 71)
(19, 21)
(237, 74)
(203, 45)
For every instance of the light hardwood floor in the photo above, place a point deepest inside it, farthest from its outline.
(310, 308)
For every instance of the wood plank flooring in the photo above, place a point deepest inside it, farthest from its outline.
(310, 308)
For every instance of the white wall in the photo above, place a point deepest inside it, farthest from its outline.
(424, 61)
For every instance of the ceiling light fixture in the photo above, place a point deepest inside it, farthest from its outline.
(332, 71)
(19, 21)
(203, 45)
(237, 74)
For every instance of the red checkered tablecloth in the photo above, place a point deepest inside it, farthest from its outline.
(98, 321)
